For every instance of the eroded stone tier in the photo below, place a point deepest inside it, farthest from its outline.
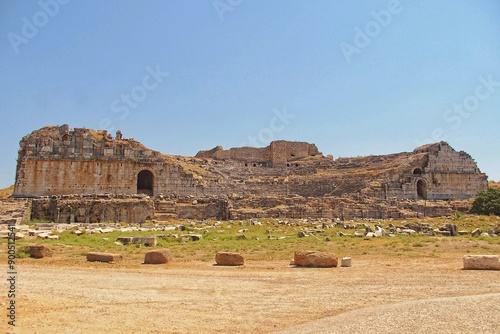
(57, 161)
(279, 153)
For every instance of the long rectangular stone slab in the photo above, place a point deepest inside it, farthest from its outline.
(103, 257)
(481, 262)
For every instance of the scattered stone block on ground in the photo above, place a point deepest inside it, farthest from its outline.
(39, 252)
(315, 259)
(159, 256)
(481, 262)
(476, 232)
(103, 257)
(229, 259)
(452, 228)
(345, 262)
(149, 241)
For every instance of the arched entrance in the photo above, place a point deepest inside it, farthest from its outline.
(417, 171)
(145, 182)
(421, 189)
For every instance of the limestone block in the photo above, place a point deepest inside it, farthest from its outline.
(346, 262)
(149, 241)
(125, 240)
(481, 262)
(452, 228)
(158, 256)
(195, 237)
(103, 257)
(229, 259)
(315, 259)
(39, 252)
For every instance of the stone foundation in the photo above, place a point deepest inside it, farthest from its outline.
(101, 209)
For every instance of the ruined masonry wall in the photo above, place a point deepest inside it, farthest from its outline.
(92, 210)
(39, 177)
(59, 161)
(277, 154)
(244, 153)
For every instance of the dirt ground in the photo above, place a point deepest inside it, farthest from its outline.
(198, 297)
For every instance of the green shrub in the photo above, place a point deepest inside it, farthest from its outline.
(487, 202)
(22, 252)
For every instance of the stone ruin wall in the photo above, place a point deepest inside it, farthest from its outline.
(59, 161)
(446, 174)
(277, 154)
(133, 209)
(453, 174)
(344, 208)
(248, 154)
(94, 209)
(283, 152)
(41, 177)
(55, 160)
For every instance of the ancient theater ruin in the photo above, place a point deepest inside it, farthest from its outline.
(63, 168)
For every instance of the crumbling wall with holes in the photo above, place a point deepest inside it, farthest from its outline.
(278, 153)
(56, 160)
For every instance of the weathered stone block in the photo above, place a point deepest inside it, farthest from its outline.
(315, 259)
(481, 262)
(229, 259)
(452, 228)
(346, 262)
(195, 237)
(39, 252)
(125, 240)
(103, 257)
(158, 256)
(149, 241)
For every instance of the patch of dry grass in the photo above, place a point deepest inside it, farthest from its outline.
(6, 192)
(274, 242)
(493, 184)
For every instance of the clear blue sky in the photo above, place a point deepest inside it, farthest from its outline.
(353, 77)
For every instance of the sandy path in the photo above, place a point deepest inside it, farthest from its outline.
(261, 297)
(449, 315)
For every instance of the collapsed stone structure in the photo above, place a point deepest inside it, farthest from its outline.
(56, 160)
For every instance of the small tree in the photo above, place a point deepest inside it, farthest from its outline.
(487, 202)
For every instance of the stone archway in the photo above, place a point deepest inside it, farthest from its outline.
(145, 182)
(421, 189)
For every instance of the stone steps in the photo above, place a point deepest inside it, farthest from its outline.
(14, 210)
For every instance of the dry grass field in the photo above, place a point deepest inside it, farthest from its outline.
(67, 294)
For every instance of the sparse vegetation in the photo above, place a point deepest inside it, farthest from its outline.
(487, 202)
(271, 241)
(493, 184)
(6, 192)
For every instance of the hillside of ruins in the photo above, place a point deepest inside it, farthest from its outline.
(84, 175)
